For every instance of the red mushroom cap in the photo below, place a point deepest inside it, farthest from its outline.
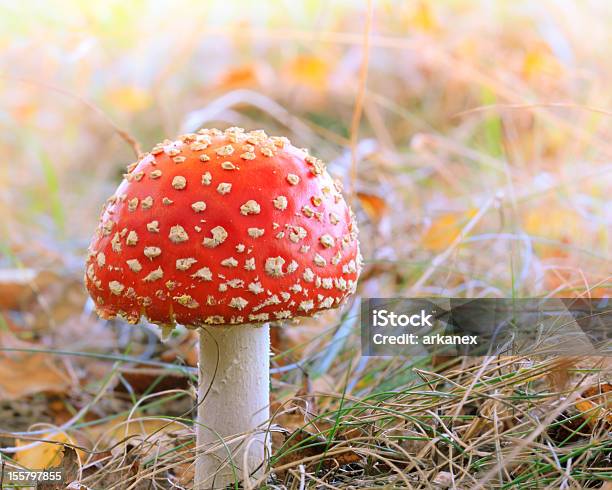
(223, 228)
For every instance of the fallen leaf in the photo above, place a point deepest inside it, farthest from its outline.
(595, 404)
(374, 206)
(408, 439)
(130, 98)
(119, 429)
(239, 76)
(443, 479)
(302, 444)
(549, 221)
(38, 372)
(185, 473)
(69, 466)
(298, 443)
(186, 350)
(123, 438)
(43, 455)
(291, 418)
(58, 408)
(309, 70)
(18, 286)
(151, 380)
(423, 18)
(540, 61)
(488, 411)
(444, 230)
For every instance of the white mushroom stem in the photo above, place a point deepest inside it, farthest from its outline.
(233, 404)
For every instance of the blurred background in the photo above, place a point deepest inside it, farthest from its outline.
(473, 138)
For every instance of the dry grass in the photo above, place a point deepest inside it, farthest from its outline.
(475, 141)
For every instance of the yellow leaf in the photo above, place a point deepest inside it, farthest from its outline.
(309, 70)
(444, 230)
(551, 222)
(130, 98)
(423, 18)
(561, 226)
(43, 455)
(538, 61)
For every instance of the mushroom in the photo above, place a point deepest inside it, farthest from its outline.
(225, 231)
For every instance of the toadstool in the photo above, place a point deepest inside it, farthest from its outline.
(225, 231)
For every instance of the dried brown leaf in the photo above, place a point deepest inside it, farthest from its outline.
(302, 444)
(152, 380)
(70, 467)
(24, 373)
(18, 286)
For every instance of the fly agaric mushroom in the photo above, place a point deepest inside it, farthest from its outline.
(225, 231)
